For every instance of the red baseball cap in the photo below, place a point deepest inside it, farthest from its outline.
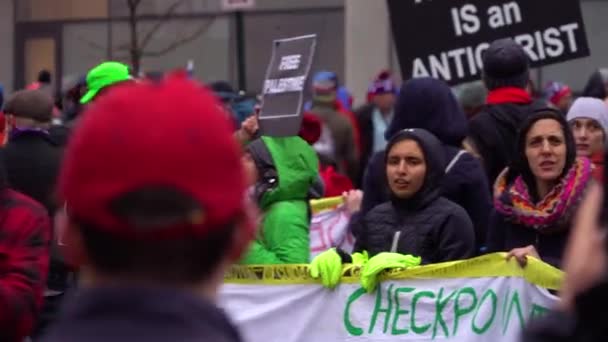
(172, 133)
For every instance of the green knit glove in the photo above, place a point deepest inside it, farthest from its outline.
(384, 261)
(328, 267)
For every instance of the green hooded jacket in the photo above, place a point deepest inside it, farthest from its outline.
(288, 168)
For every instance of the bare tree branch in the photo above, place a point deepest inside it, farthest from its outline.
(180, 42)
(123, 47)
(92, 44)
(161, 21)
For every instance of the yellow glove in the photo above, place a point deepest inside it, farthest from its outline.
(327, 266)
(384, 261)
(360, 259)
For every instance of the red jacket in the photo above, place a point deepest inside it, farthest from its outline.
(25, 233)
(335, 183)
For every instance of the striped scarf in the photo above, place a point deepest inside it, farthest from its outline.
(551, 213)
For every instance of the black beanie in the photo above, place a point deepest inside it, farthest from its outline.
(505, 64)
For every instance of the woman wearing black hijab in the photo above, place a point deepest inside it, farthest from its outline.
(415, 226)
(416, 220)
(415, 223)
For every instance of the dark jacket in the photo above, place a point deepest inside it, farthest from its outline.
(141, 314)
(493, 132)
(366, 130)
(32, 160)
(425, 225)
(504, 236)
(430, 104)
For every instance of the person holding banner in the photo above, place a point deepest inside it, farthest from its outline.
(535, 198)
(429, 103)
(415, 226)
(282, 172)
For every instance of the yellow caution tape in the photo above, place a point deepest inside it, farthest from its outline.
(491, 265)
(324, 204)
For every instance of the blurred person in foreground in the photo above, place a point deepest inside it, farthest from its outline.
(492, 132)
(588, 119)
(32, 157)
(584, 293)
(536, 197)
(155, 229)
(25, 232)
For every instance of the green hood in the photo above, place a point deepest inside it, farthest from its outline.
(295, 165)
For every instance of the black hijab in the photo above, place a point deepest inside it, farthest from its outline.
(434, 157)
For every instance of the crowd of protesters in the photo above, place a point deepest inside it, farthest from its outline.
(111, 228)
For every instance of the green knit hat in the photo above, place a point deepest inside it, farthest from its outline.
(104, 75)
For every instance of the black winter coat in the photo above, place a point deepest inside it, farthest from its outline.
(465, 184)
(441, 231)
(503, 236)
(32, 162)
(140, 314)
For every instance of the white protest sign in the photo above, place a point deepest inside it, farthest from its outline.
(482, 299)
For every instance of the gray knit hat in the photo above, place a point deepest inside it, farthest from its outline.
(590, 108)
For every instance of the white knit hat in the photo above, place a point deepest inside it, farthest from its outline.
(590, 108)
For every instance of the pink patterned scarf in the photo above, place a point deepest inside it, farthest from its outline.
(554, 211)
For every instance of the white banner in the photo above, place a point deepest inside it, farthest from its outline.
(329, 228)
(482, 299)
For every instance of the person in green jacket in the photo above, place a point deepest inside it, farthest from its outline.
(283, 171)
